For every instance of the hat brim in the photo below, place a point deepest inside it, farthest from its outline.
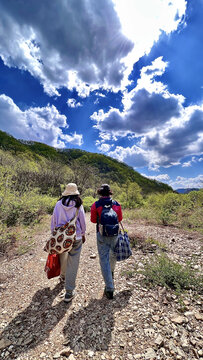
(66, 193)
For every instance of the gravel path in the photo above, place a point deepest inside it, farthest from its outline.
(137, 324)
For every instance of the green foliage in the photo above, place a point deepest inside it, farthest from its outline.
(7, 237)
(184, 210)
(25, 209)
(130, 197)
(98, 168)
(165, 272)
(87, 202)
(152, 241)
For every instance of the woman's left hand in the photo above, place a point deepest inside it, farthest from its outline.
(83, 238)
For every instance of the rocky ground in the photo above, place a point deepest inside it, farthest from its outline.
(139, 323)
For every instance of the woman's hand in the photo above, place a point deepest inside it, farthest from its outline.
(83, 238)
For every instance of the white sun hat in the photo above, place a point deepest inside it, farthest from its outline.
(71, 189)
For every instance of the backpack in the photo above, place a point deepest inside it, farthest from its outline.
(109, 225)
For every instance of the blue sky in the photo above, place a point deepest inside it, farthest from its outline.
(118, 77)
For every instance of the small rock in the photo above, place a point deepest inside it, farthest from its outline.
(93, 256)
(178, 319)
(65, 352)
(42, 355)
(198, 316)
(57, 355)
(189, 313)
(66, 342)
(129, 328)
(71, 357)
(200, 352)
(193, 342)
(90, 353)
(186, 302)
(150, 353)
(155, 318)
(4, 343)
(149, 332)
(138, 356)
(28, 341)
(159, 340)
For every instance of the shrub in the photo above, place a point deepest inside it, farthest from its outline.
(87, 202)
(25, 209)
(165, 272)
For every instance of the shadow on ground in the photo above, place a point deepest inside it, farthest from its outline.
(33, 325)
(91, 327)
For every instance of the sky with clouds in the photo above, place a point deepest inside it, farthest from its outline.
(118, 77)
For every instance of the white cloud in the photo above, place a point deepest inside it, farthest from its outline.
(99, 94)
(133, 156)
(104, 147)
(73, 103)
(187, 164)
(84, 46)
(179, 182)
(184, 182)
(38, 124)
(156, 121)
(161, 177)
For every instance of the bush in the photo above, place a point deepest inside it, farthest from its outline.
(7, 237)
(25, 209)
(87, 202)
(165, 272)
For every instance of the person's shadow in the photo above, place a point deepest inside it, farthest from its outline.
(91, 327)
(33, 325)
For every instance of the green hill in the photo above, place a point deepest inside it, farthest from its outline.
(103, 167)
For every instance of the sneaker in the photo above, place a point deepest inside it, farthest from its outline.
(109, 294)
(68, 296)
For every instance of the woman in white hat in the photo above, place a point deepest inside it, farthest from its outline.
(65, 209)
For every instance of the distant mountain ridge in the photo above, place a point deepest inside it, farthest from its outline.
(108, 168)
(186, 190)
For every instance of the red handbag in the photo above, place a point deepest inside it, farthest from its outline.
(52, 267)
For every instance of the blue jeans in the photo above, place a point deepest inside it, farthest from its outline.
(105, 246)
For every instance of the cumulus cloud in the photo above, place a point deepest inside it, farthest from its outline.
(133, 156)
(184, 182)
(180, 181)
(104, 147)
(181, 139)
(81, 43)
(147, 111)
(161, 177)
(73, 103)
(38, 124)
(156, 121)
(148, 106)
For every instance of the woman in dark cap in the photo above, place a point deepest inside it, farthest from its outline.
(107, 214)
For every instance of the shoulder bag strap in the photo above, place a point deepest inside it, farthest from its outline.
(122, 226)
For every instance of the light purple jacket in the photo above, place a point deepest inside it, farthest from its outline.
(62, 214)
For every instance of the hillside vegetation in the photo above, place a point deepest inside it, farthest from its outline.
(33, 176)
(103, 167)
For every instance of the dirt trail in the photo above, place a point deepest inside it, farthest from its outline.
(138, 324)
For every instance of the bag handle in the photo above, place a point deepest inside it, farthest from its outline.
(122, 226)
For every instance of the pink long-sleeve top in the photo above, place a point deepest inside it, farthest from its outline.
(62, 214)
